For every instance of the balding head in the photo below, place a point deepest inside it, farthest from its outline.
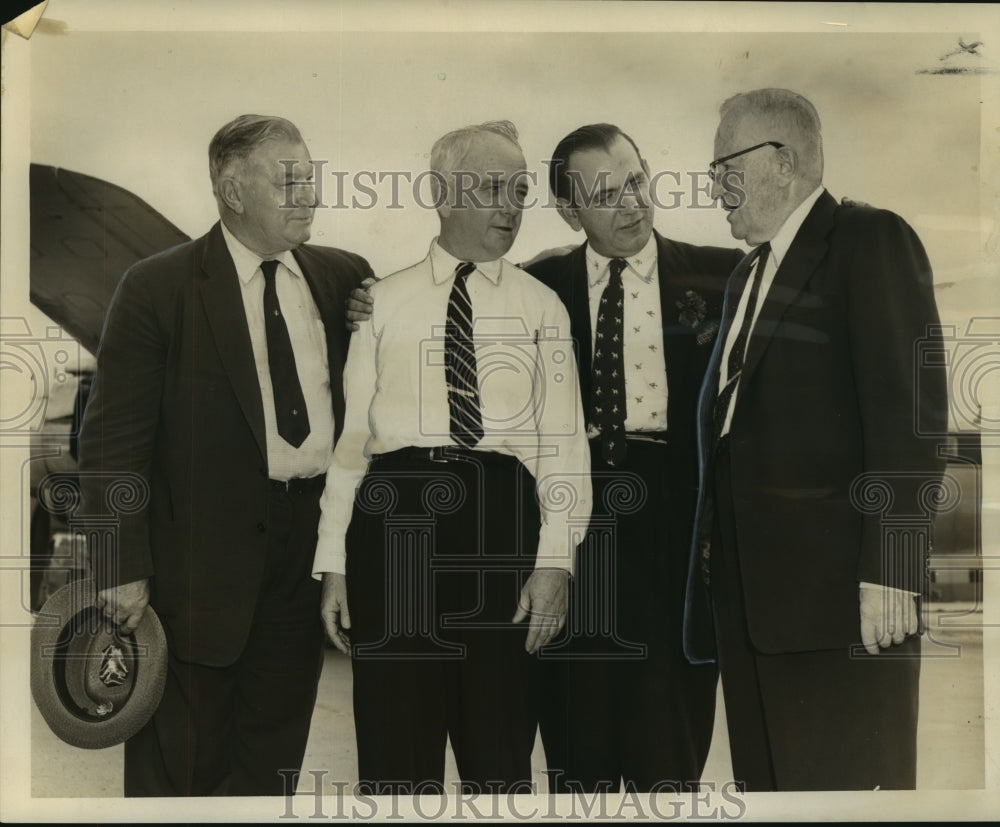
(777, 115)
(768, 160)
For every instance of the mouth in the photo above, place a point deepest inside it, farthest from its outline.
(632, 225)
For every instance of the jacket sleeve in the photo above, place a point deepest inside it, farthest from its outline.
(892, 318)
(118, 434)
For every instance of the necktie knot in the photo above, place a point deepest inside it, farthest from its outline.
(762, 253)
(269, 268)
(618, 266)
(463, 269)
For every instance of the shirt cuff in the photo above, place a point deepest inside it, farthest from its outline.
(880, 587)
(331, 556)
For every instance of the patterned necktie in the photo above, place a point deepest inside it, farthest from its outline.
(460, 363)
(734, 364)
(289, 403)
(608, 405)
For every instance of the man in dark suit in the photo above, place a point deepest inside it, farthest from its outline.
(622, 702)
(808, 418)
(218, 399)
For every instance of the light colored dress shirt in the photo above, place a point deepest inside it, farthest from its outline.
(394, 382)
(642, 350)
(308, 337)
(779, 247)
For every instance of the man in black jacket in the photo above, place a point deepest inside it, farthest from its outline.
(621, 700)
(207, 436)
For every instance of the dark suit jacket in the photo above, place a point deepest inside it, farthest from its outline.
(176, 401)
(683, 269)
(831, 389)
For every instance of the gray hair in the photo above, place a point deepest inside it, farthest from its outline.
(450, 150)
(794, 120)
(233, 143)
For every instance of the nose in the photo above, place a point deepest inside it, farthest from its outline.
(717, 190)
(510, 203)
(304, 194)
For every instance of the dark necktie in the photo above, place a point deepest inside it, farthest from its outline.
(734, 364)
(289, 403)
(460, 363)
(608, 400)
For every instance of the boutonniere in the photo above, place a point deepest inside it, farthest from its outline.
(693, 310)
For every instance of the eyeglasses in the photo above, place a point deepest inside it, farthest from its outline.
(724, 158)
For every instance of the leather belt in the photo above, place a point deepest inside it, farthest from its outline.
(298, 485)
(443, 453)
(640, 436)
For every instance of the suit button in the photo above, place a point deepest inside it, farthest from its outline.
(261, 527)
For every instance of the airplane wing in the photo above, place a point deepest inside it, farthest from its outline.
(85, 232)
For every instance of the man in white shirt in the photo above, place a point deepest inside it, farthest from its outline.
(807, 415)
(458, 491)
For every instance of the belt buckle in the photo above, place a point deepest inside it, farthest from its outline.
(287, 484)
(436, 454)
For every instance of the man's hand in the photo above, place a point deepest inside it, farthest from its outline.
(124, 605)
(359, 305)
(544, 598)
(333, 609)
(887, 616)
(549, 253)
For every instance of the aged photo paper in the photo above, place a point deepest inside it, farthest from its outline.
(130, 94)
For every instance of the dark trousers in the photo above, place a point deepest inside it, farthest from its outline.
(437, 553)
(234, 730)
(837, 719)
(620, 701)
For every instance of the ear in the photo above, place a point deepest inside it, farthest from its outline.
(231, 195)
(569, 213)
(788, 162)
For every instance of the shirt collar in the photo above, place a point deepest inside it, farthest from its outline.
(786, 234)
(642, 264)
(443, 265)
(247, 262)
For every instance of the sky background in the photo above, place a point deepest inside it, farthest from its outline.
(139, 110)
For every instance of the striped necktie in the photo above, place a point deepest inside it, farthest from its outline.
(460, 363)
(734, 365)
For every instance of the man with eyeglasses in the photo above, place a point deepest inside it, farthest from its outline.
(807, 417)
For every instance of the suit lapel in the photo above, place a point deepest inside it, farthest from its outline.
(577, 301)
(223, 302)
(676, 349)
(798, 265)
(330, 304)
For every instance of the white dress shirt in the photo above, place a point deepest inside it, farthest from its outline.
(779, 247)
(308, 337)
(394, 382)
(642, 349)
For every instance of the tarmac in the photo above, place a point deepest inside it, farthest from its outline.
(950, 737)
